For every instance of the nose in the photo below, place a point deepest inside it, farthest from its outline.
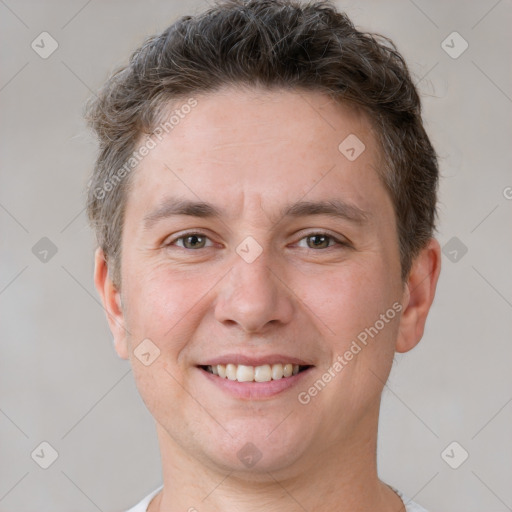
(254, 295)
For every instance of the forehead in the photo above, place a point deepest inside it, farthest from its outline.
(272, 146)
(264, 119)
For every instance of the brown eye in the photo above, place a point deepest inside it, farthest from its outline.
(194, 241)
(318, 241)
(322, 241)
(190, 241)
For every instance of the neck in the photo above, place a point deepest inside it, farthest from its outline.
(343, 479)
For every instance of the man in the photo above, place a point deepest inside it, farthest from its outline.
(264, 201)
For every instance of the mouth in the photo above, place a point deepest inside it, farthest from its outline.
(266, 379)
(254, 376)
(261, 373)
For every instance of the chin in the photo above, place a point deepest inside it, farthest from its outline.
(258, 447)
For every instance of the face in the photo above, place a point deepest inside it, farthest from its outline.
(294, 260)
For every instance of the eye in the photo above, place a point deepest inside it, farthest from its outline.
(196, 240)
(191, 241)
(321, 240)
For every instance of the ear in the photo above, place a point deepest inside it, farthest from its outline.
(111, 299)
(418, 296)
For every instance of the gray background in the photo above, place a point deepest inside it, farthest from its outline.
(60, 378)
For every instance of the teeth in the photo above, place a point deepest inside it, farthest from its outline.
(277, 371)
(244, 373)
(263, 373)
(231, 371)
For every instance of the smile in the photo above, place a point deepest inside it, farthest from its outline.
(261, 373)
(260, 382)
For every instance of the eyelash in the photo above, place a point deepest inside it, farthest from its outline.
(314, 233)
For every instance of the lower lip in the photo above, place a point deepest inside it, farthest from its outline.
(255, 390)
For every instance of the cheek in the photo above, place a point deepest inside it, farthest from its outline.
(349, 296)
(162, 311)
(347, 304)
(156, 304)
(167, 305)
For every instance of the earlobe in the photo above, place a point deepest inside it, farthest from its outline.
(112, 304)
(418, 296)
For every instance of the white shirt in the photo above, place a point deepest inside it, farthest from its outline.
(410, 506)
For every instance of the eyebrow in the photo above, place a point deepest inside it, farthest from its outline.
(175, 206)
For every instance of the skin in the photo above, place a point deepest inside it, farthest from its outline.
(250, 152)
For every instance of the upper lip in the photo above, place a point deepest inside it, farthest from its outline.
(254, 361)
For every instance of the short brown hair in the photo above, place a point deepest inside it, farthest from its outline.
(272, 44)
